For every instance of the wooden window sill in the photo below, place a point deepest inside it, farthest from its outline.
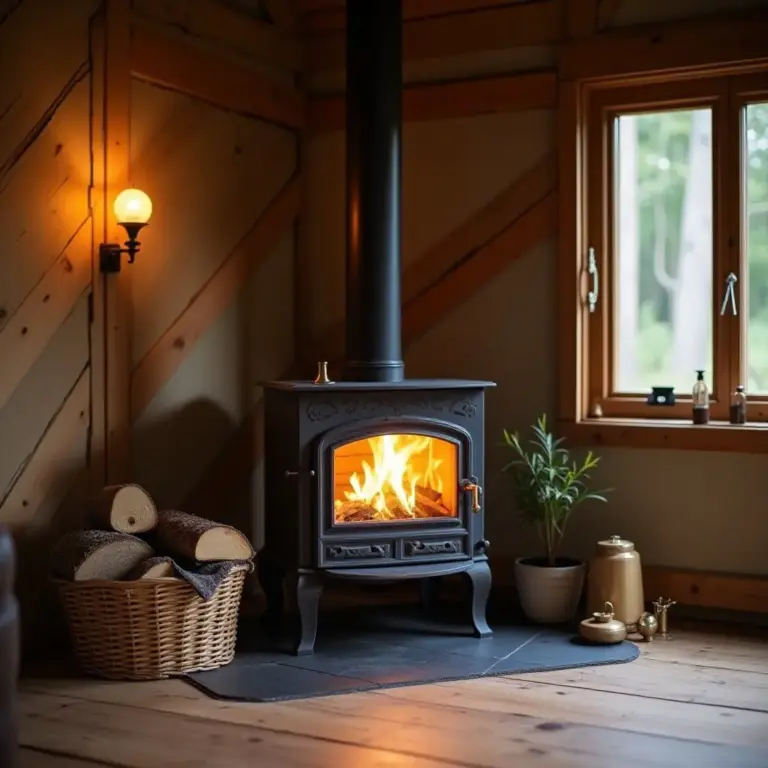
(668, 433)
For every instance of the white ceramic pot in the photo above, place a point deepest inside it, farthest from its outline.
(549, 595)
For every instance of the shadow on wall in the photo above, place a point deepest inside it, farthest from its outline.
(173, 454)
(42, 621)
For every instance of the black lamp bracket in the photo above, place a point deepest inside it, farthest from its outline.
(110, 253)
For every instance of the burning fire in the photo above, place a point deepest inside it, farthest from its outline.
(401, 481)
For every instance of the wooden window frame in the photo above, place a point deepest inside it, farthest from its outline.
(584, 337)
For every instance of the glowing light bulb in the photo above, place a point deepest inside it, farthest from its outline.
(132, 206)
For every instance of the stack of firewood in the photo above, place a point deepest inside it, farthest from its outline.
(130, 539)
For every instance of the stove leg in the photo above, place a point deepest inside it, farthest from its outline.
(271, 578)
(309, 587)
(480, 580)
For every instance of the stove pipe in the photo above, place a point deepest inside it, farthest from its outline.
(374, 94)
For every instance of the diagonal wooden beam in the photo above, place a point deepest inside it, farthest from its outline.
(176, 344)
(463, 98)
(537, 219)
(167, 62)
(329, 15)
(463, 281)
(459, 244)
(213, 22)
(176, 131)
(284, 13)
(532, 23)
(42, 470)
(35, 322)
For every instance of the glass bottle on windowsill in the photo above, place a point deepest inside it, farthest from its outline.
(738, 413)
(700, 400)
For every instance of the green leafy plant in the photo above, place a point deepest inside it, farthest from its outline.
(549, 485)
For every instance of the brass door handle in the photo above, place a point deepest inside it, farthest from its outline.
(475, 489)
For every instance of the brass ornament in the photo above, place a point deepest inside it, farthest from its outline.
(660, 607)
(647, 626)
(322, 374)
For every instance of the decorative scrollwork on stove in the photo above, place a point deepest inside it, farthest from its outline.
(395, 407)
(321, 411)
(465, 408)
(449, 547)
(358, 553)
(352, 406)
(438, 406)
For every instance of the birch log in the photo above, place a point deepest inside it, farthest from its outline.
(199, 539)
(84, 555)
(123, 508)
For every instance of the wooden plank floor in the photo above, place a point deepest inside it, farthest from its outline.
(700, 699)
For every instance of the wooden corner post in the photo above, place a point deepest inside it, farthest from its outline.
(111, 298)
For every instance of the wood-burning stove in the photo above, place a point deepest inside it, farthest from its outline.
(376, 476)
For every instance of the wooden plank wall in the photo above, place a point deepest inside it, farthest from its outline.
(140, 375)
(213, 140)
(46, 102)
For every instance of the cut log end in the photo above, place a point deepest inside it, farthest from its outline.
(223, 544)
(125, 509)
(87, 555)
(152, 568)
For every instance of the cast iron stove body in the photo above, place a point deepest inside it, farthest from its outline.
(375, 476)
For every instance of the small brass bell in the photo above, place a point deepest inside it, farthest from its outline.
(322, 373)
(647, 626)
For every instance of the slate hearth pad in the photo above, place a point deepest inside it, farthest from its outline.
(388, 648)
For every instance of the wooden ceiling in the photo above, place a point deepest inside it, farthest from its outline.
(253, 8)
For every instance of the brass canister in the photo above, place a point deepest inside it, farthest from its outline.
(615, 576)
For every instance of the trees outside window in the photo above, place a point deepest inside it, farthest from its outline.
(674, 209)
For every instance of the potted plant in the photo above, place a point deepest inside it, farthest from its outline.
(549, 485)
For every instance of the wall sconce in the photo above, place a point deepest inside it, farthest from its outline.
(133, 209)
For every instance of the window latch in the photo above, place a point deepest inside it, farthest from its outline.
(730, 295)
(592, 271)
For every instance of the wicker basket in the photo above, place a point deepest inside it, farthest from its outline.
(153, 628)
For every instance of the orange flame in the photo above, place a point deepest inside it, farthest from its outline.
(393, 475)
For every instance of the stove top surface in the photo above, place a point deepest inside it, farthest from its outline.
(373, 386)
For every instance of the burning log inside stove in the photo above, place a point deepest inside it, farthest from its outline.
(395, 477)
(427, 503)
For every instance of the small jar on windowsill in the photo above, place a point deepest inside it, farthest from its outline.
(738, 410)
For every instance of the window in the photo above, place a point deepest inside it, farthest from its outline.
(671, 199)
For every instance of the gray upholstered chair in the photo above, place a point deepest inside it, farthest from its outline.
(9, 654)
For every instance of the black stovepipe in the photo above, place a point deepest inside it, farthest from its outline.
(374, 118)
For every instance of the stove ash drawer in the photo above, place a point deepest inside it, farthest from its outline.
(448, 547)
(358, 552)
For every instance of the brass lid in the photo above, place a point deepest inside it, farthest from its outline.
(614, 545)
(605, 616)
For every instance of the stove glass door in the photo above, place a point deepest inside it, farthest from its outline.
(395, 478)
